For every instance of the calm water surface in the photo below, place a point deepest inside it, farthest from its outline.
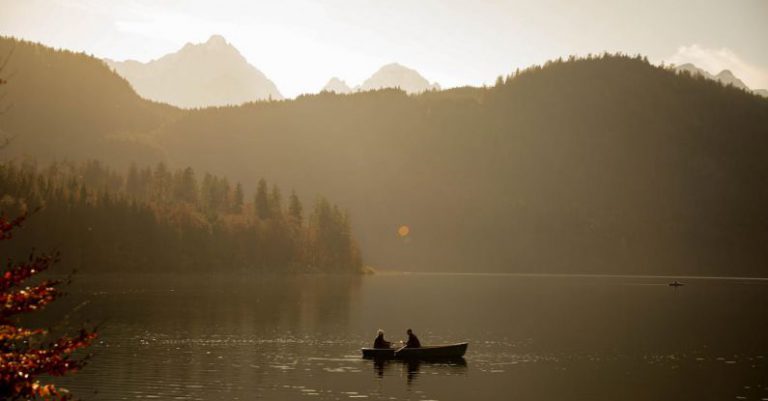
(531, 338)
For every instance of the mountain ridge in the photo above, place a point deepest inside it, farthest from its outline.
(388, 76)
(213, 73)
(725, 77)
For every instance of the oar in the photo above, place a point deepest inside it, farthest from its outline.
(400, 349)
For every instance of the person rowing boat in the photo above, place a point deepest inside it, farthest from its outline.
(413, 341)
(380, 342)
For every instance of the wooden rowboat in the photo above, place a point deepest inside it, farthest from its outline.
(444, 351)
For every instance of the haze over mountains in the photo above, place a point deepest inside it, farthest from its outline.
(395, 75)
(599, 165)
(392, 76)
(725, 76)
(213, 73)
(336, 85)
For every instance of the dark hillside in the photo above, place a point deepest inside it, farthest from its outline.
(62, 104)
(606, 164)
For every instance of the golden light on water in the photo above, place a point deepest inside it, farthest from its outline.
(403, 231)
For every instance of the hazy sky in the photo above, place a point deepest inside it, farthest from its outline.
(300, 44)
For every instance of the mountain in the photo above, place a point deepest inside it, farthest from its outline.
(213, 73)
(336, 85)
(390, 76)
(598, 165)
(725, 77)
(397, 76)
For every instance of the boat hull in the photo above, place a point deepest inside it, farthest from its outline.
(446, 351)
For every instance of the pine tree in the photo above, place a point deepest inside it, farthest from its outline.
(132, 183)
(261, 201)
(275, 201)
(237, 205)
(295, 209)
(161, 184)
(185, 186)
(224, 195)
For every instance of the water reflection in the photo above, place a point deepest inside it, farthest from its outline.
(202, 306)
(413, 367)
(292, 338)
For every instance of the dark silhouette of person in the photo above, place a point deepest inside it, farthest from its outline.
(380, 342)
(413, 341)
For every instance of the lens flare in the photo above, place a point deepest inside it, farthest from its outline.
(403, 231)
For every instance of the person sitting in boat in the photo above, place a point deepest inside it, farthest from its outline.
(380, 342)
(413, 341)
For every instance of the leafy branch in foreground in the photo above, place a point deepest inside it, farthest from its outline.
(24, 353)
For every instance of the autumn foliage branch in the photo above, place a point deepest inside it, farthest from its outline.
(22, 361)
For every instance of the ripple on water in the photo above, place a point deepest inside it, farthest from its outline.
(342, 369)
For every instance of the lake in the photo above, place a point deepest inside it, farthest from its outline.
(531, 337)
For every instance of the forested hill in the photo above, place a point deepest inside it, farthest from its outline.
(605, 164)
(63, 105)
(601, 165)
(161, 220)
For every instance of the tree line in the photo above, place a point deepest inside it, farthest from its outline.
(161, 219)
